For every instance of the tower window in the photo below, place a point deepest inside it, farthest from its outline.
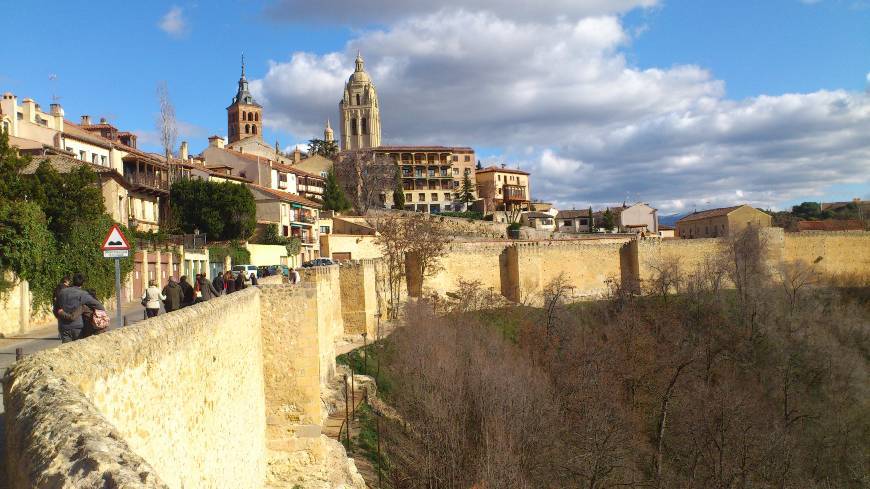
(250, 116)
(257, 116)
(243, 115)
(364, 125)
(353, 128)
(254, 128)
(358, 99)
(247, 128)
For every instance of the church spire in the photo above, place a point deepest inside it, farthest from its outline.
(360, 64)
(243, 66)
(328, 134)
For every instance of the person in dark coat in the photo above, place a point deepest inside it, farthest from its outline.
(254, 279)
(70, 302)
(186, 291)
(240, 281)
(207, 289)
(218, 283)
(229, 282)
(174, 295)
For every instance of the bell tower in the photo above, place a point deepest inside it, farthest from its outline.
(244, 115)
(360, 116)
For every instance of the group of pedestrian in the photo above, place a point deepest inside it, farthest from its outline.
(79, 314)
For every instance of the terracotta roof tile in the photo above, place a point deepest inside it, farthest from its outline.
(286, 196)
(502, 170)
(719, 212)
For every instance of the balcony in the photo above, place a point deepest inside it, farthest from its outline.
(148, 181)
(514, 193)
(304, 219)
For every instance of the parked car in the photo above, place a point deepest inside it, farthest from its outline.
(318, 262)
(246, 269)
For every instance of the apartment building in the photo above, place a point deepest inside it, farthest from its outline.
(502, 190)
(431, 175)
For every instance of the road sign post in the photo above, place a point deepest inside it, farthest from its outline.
(116, 246)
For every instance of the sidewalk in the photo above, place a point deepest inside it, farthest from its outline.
(45, 338)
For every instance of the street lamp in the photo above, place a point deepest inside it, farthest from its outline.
(365, 352)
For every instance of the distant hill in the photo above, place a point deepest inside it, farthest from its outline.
(671, 219)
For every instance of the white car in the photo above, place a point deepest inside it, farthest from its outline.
(246, 269)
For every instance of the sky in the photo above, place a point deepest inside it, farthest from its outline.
(682, 104)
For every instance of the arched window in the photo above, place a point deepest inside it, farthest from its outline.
(364, 126)
(250, 116)
(243, 115)
(358, 99)
(254, 128)
(257, 116)
(247, 128)
(353, 128)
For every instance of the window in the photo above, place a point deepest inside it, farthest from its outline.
(434, 197)
(103, 160)
(431, 172)
(358, 100)
(247, 128)
(251, 116)
(567, 222)
(467, 158)
(353, 128)
(456, 171)
(409, 197)
(364, 125)
(499, 191)
(244, 115)
(254, 128)
(324, 229)
(499, 178)
(447, 196)
(94, 158)
(467, 171)
(455, 157)
(421, 197)
(257, 116)
(83, 155)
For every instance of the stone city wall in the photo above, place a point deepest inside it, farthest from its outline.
(175, 401)
(327, 282)
(521, 270)
(358, 297)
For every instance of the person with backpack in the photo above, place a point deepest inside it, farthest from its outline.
(69, 309)
(95, 321)
(151, 299)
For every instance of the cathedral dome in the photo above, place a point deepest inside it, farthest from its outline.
(359, 74)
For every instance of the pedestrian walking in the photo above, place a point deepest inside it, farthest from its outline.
(295, 277)
(254, 279)
(95, 321)
(206, 289)
(240, 281)
(218, 283)
(186, 291)
(70, 301)
(173, 295)
(151, 299)
(229, 282)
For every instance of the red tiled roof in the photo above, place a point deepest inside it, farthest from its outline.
(719, 212)
(285, 196)
(502, 170)
(831, 225)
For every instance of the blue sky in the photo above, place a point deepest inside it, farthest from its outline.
(643, 71)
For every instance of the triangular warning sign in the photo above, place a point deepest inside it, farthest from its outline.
(115, 240)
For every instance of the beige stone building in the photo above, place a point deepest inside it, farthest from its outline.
(502, 188)
(295, 217)
(431, 175)
(359, 112)
(724, 221)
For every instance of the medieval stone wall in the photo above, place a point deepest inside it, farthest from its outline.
(180, 395)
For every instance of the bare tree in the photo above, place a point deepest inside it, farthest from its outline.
(427, 240)
(795, 277)
(365, 177)
(167, 125)
(394, 246)
(666, 276)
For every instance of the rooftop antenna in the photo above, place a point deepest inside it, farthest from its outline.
(54, 97)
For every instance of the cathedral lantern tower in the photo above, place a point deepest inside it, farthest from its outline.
(360, 117)
(244, 115)
(328, 135)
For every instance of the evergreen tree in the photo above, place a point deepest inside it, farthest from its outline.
(591, 221)
(479, 166)
(466, 191)
(322, 147)
(334, 198)
(607, 220)
(223, 211)
(399, 191)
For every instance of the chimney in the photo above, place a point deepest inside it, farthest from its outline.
(57, 115)
(103, 120)
(184, 151)
(86, 120)
(297, 155)
(216, 142)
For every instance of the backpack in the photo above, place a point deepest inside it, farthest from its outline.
(101, 319)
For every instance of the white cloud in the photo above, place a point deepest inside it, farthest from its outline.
(174, 23)
(559, 98)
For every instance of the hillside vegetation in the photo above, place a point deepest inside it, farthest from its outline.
(691, 385)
